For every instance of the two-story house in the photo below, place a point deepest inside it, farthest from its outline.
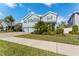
(32, 18)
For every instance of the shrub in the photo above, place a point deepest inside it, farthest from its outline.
(40, 27)
(59, 31)
(77, 33)
(74, 28)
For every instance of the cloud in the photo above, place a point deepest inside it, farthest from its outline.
(29, 10)
(11, 5)
(20, 4)
(48, 4)
(1, 14)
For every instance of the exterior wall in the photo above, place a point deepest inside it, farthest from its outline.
(76, 22)
(50, 18)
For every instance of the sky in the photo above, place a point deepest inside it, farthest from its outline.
(19, 10)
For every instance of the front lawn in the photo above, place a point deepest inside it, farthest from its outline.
(69, 39)
(13, 49)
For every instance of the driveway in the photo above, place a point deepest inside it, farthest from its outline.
(66, 49)
(11, 34)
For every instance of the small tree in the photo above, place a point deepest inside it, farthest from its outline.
(9, 21)
(40, 27)
(74, 28)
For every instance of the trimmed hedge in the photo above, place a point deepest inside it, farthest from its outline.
(74, 28)
(71, 32)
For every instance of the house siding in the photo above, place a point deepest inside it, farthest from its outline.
(74, 20)
(50, 18)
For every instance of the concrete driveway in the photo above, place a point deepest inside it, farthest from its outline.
(66, 49)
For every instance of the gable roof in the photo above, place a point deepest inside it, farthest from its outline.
(30, 14)
(50, 12)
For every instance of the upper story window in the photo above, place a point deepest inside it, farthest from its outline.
(49, 17)
(33, 20)
(25, 21)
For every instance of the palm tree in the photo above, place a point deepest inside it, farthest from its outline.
(9, 21)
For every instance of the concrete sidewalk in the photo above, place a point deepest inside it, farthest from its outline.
(66, 49)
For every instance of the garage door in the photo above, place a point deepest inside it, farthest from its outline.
(28, 29)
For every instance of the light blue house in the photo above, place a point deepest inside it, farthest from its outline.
(32, 18)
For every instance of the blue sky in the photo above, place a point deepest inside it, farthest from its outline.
(19, 10)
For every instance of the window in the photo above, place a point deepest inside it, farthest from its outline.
(25, 21)
(33, 20)
(49, 17)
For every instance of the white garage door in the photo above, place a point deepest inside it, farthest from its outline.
(28, 29)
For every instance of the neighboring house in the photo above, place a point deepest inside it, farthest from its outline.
(32, 18)
(3, 25)
(74, 19)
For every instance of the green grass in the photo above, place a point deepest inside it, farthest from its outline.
(13, 49)
(69, 39)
